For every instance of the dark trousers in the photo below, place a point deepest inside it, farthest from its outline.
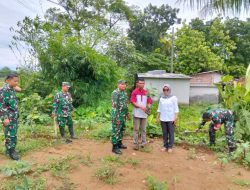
(168, 133)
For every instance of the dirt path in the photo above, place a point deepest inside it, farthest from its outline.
(182, 169)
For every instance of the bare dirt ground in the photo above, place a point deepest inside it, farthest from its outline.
(181, 169)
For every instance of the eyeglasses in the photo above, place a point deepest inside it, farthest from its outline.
(166, 89)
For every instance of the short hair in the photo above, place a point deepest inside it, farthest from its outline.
(11, 76)
(140, 79)
(206, 115)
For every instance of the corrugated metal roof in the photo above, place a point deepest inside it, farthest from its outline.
(163, 74)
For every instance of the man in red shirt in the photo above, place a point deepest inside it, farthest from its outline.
(142, 103)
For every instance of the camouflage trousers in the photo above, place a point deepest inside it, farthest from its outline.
(63, 121)
(10, 133)
(229, 132)
(118, 129)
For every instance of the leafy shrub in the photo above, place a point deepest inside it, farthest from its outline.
(35, 110)
(107, 174)
(16, 168)
(154, 184)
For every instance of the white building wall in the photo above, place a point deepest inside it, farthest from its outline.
(180, 87)
(200, 94)
(217, 78)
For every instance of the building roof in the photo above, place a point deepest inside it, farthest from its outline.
(215, 71)
(162, 74)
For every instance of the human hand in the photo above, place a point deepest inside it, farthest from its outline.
(197, 130)
(143, 109)
(6, 122)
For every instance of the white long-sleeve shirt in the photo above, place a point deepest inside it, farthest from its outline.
(167, 108)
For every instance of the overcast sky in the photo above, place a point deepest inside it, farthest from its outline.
(12, 11)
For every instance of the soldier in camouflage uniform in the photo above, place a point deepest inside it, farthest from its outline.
(219, 117)
(9, 114)
(63, 110)
(119, 116)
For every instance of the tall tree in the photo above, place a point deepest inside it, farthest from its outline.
(69, 44)
(229, 40)
(149, 26)
(193, 52)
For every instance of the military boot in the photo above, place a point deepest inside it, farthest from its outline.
(71, 132)
(122, 146)
(231, 149)
(116, 149)
(62, 132)
(13, 154)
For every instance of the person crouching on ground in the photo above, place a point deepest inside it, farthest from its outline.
(218, 117)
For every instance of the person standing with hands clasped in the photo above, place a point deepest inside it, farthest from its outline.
(141, 102)
(167, 115)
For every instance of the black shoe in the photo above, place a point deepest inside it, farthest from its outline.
(122, 146)
(68, 141)
(231, 149)
(211, 144)
(74, 137)
(116, 150)
(13, 154)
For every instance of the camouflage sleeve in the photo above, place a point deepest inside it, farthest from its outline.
(4, 102)
(216, 119)
(115, 108)
(55, 104)
(71, 107)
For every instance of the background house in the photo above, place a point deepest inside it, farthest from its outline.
(179, 83)
(203, 89)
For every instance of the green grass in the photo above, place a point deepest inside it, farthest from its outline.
(113, 159)
(146, 149)
(132, 161)
(59, 167)
(16, 168)
(107, 174)
(242, 183)
(23, 183)
(86, 160)
(154, 184)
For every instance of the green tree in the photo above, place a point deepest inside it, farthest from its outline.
(69, 45)
(193, 52)
(132, 61)
(229, 40)
(239, 32)
(149, 26)
(5, 71)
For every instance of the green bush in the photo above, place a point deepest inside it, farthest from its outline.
(154, 184)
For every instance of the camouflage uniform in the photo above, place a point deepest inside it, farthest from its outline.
(221, 116)
(9, 110)
(63, 108)
(119, 115)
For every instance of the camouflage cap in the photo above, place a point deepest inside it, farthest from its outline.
(66, 84)
(122, 82)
